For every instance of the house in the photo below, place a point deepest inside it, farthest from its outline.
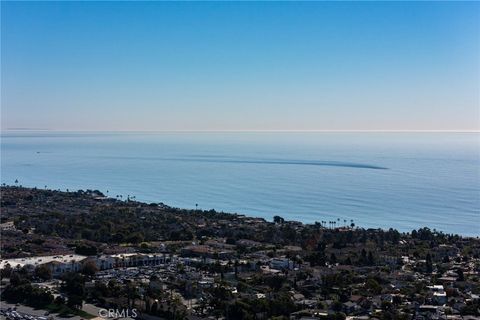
(350, 307)
(439, 294)
(429, 311)
(281, 264)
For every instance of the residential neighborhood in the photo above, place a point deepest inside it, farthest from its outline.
(230, 266)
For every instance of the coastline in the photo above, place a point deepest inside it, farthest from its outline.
(330, 224)
(226, 260)
(293, 175)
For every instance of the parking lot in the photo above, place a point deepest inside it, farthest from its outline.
(21, 312)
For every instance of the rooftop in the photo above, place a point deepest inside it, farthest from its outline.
(40, 260)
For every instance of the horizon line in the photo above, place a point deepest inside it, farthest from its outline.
(246, 131)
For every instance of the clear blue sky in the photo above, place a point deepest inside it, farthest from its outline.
(240, 66)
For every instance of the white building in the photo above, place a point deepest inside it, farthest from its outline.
(281, 264)
(58, 264)
(439, 294)
(137, 259)
(61, 264)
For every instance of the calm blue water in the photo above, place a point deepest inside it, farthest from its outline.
(400, 180)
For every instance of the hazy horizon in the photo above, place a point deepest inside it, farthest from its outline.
(240, 131)
(241, 66)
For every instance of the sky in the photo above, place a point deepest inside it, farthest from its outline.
(163, 66)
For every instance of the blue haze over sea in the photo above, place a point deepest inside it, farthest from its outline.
(399, 180)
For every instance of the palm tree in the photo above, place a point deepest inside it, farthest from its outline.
(132, 294)
(236, 269)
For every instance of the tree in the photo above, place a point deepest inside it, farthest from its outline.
(75, 301)
(239, 311)
(333, 258)
(278, 219)
(43, 272)
(373, 286)
(370, 258)
(16, 279)
(74, 286)
(274, 282)
(153, 308)
(337, 306)
(135, 237)
(348, 261)
(6, 271)
(461, 276)
(59, 300)
(428, 262)
(282, 304)
(363, 257)
(131, 291)
(236, 268)
(316, 258)
(89, 268)
(86, 249)
(39, 297)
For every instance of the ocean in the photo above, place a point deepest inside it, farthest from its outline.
(378, 180)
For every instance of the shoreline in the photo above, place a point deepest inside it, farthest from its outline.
(132, 199)
(107, 246)
(423, 186)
